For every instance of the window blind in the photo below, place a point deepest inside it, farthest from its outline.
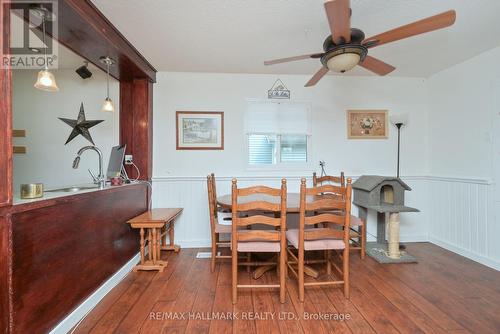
(262, 149)
(278, 118)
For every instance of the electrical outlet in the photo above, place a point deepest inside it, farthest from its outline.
(128, 159)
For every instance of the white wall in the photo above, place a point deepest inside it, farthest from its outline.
(330, 100)
(48, 160)
(464, 136)
(179, 176)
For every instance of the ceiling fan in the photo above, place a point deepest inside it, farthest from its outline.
(347, 47)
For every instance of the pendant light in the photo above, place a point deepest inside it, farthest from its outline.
(107, 106)
(45, 80)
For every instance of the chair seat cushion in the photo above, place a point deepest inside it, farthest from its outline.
(259, 246)
(293, 237)
(356, 221)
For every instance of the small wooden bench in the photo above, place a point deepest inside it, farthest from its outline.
(157, 223)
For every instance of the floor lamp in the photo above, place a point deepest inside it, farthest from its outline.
(399, 121)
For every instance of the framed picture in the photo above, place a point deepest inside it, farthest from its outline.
(199, 130)
(367, 124)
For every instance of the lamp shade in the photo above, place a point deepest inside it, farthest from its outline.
(107, 106)
(46, 81)
(402, 118)
(343, 62)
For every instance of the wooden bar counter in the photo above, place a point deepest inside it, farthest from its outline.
(56, 252)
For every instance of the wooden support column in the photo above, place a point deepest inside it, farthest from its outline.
(6, 176)
(5, 112)
(136, 125)
(5, 274)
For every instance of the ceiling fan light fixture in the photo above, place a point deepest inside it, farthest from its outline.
(344, 58)
(343, 62)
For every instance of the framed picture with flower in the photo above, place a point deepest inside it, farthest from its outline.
(367, 124)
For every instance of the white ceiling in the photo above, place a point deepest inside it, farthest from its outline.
(236, 36)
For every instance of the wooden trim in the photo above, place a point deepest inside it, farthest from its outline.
(6, 176)
(18, 133)
(177, 113)
(5, 274)
(100, 38)
(136, 125)
(19, 150)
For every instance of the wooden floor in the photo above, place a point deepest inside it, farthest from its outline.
(443, 293)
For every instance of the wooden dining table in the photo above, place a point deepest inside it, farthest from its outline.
(292, 206)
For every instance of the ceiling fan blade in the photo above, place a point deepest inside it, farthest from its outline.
(376, 66)
(338, 13)
(317, 77)
(432, 23)
(285, 60)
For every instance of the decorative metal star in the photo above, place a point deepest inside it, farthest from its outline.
(80, 126)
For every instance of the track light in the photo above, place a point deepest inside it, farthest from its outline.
(83, 71)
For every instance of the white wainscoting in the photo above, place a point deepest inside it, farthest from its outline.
(462, 218)
(190, 193)
(456, 214)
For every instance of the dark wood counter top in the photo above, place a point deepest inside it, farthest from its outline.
(62, 197)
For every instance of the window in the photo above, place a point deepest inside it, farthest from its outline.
(278, 133)
(273, 149)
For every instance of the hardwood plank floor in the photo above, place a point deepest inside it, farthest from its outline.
(443, 293)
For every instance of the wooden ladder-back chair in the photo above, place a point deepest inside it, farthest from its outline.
(327, 205)
(218, 223)
(358, 226)
(318, 181)
(258, 199)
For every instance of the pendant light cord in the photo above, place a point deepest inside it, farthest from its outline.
(107, 79)
(44, 44)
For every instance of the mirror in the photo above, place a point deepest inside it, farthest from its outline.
(42, 155)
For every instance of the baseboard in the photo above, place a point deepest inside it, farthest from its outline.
(200, 243)
(468, 254)
(81, 311)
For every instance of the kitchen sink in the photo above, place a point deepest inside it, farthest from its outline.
(72, 189)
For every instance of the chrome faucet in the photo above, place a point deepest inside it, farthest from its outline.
(99, 179)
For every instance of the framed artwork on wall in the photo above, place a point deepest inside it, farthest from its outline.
(199, 130)
(367, 124)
